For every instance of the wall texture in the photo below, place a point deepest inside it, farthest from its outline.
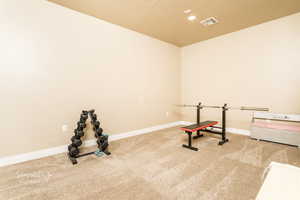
(56, 62)
(258, 66)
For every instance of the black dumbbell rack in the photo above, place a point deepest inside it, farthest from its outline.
(102, 140)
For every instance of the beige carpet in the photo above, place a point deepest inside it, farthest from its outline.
(152, 166)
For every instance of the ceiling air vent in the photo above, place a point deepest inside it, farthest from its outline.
(209, 21)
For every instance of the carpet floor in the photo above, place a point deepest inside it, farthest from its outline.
(151, 166)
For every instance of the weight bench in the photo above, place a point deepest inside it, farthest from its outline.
(193, 128)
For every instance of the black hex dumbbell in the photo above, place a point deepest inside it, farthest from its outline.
(102, 146)
(93, 117)
(83, 118)
(85, 112)
(70, 147)
(80, 125)
(98, 132)
(76, 141)
(82, 121)
(78, 133)
(74, 151)
(91, 111)
(102, 139)
(96, 125)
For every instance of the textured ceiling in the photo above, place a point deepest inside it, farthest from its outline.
(165, 19)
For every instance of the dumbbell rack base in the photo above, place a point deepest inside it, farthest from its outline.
(74, 161)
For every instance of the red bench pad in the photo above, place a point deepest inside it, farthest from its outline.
(197, 127)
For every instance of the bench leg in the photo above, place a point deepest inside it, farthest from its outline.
(198, 135)
(189, 146)
(224, 139)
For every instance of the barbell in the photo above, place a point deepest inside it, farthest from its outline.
(232, 108)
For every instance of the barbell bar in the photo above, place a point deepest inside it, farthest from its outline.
(250, 108)
(232, 108)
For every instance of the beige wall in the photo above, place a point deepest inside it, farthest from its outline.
(56, 62)
(258, 66)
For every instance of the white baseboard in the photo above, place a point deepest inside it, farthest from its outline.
(230, 130)
(4, 161)
(10, 160)
(238, 131)
(186, 123)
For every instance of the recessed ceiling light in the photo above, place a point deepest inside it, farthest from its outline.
(192, 17)
(209, 21)
(187, 11)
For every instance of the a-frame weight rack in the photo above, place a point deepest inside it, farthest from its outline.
(102, 140)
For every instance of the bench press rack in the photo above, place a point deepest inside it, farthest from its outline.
(203, 126)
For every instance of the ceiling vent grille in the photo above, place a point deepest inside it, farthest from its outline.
(209, 21)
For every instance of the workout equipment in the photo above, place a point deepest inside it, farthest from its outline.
(209, 126)
(70, 147)
(99, 153)
(93, 116)
(74, 151)
(78, 133)
(76, 141)
(102, 140)
(196, 127)
(98, 132)
(96, 125)
(81, 125)
(85, 112)
(231, 108)
(84, 116)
